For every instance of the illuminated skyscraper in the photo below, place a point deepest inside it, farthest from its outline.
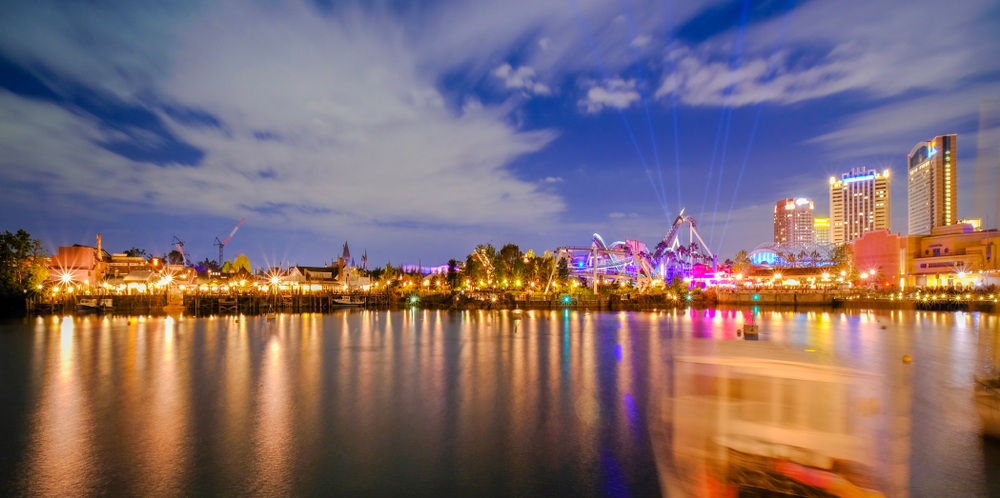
(931, 186)
(859, 203)
(821, 229)
(793, 221)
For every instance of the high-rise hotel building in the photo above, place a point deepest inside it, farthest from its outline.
(793, 221)
(821, 227)
(931, 184)
(859, 203)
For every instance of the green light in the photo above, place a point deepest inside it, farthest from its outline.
(414, 299)
(756, 297)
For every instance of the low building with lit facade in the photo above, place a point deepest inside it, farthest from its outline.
(78, 265)
(976, 223)
(955, 256)
(859, 203)
(121, 264)
(883, 257)
(931, 185)
(793, 221)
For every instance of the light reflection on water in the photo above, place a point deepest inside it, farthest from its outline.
(541, 403)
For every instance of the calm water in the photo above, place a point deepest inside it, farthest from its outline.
(431, 403)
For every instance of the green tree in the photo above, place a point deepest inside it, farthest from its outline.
(22, 264)
(510, 263)
(562, 271)
(207, 265)
(484, 264)
(175, 258)
(388, 273)
(473, 269)
(742, 263)
(453, 273)
(135, 252)
(241, 264)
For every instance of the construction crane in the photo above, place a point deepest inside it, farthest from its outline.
(222, 243)
(180, 247)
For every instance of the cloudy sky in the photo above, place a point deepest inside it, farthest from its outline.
(416, 130)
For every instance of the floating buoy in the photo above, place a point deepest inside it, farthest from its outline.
(907, 359)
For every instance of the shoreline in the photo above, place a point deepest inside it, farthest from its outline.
(601, 306)
(257, 304)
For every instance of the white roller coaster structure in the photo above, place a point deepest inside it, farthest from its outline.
(630, 261)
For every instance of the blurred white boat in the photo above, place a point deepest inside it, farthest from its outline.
(767, 424)
(988, 404)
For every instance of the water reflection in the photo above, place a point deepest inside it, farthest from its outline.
(542, 403)
(273, 438)
(61, 437)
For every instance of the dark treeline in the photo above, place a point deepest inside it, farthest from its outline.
(22, 271)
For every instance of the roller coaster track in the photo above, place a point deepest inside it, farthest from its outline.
(623, 260)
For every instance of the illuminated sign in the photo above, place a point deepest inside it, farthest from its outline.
(821, 222)
(801, 201)
(932, 148)
(869, 176)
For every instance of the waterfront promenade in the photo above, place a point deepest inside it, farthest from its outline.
(251, 303)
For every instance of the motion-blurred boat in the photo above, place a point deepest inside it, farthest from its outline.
(988, 404)
(766, 424)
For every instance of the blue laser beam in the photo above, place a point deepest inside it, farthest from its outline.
(628, 128)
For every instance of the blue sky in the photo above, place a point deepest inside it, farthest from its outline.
(416, 130)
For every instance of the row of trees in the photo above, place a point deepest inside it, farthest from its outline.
(839, 257)
(22, 269)
(509, 265)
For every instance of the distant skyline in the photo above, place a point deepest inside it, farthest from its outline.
(416, 130)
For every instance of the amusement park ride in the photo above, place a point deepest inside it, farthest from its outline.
(630, 260)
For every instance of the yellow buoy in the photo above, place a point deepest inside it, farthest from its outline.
(906, 358)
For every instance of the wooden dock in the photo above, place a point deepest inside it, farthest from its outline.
(198, 304)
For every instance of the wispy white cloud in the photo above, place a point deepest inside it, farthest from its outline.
(522, 78)
(828, 47)
(641, 41)
(364, 137)
(615, 93)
